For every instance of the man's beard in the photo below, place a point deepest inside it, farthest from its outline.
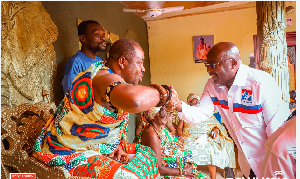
(101, 49)
(97, 49)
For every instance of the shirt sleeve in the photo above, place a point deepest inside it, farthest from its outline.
(201, 112)
(71, 70)
(275, 110)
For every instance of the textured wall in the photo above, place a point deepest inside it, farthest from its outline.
(110, 15)
(171, 45)
(28, 62)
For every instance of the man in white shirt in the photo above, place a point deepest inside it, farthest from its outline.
(249, 101)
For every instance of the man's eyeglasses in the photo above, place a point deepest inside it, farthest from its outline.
(214, 65)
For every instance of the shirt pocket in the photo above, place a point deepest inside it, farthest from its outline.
(250, 120)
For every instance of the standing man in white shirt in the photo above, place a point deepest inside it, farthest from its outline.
(249, 101)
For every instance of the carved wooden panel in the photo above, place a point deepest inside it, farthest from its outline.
(20, 126)
(28, 59)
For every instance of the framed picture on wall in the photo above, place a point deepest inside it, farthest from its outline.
(202, 44)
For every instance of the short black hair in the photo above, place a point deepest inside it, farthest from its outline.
(123, 47)
(83, 26)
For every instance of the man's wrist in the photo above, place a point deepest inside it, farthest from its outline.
(179, 106)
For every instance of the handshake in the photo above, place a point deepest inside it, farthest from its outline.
(168, 97)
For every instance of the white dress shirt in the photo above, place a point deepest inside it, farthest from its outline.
(252, 109)
(280, 151)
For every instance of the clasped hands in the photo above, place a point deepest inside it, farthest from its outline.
(168, 96)
(174, 101)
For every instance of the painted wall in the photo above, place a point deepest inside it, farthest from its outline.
(171, 45)
(110, 15)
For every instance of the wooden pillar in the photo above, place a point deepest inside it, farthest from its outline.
(271, 41)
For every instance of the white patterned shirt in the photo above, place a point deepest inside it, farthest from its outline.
(252, 109)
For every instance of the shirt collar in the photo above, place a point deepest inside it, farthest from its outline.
(240, 77)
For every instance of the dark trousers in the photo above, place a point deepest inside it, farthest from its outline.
(252, 175)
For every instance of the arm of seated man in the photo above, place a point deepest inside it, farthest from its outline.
(128, 97)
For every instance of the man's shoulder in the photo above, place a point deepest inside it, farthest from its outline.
(258, 76)
(77, 57)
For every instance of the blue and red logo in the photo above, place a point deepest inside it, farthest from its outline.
(246, 96)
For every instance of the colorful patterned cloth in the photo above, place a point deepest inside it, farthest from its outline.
(218, 151)
(81, 131)
(174, 155)
(172, 152)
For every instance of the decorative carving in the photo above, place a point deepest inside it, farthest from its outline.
(271, 40)
(28, 59)
(20, 127)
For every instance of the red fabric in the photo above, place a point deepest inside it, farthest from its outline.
(129, 148)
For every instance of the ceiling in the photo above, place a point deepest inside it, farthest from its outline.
(190, 7)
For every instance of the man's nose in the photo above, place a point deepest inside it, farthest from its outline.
(103, 38)
(143, 69)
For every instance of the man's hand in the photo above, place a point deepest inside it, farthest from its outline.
(214, 132)
(174, 103)
(119, 154)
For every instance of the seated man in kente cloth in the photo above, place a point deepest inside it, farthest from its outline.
(85, 131)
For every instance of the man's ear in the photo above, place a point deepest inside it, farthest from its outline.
(81, 38)
(234, 63)
(122, 61)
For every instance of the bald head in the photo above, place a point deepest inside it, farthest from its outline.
(123, 47)
(225, 50)
(224, 61)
